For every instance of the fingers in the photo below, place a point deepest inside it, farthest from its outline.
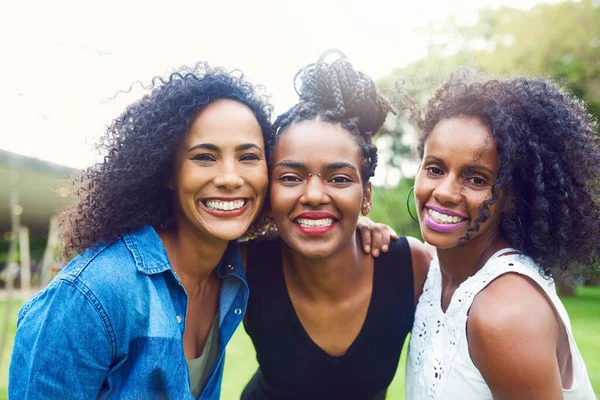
(385, 240)
(376, 241)
(365, 237)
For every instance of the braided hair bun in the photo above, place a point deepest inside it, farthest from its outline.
(343, 90)
(336, 93)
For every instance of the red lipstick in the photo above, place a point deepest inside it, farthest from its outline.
(313, 216)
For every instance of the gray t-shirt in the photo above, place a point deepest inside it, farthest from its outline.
(200, 368)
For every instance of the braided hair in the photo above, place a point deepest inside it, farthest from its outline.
(549, 163)
(338, 94)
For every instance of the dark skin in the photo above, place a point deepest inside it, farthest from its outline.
(328, 276)
(222, 157)
(521, 352)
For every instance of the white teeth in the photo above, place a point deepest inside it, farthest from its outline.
(225, 205)
(443, 218)
(314, 223)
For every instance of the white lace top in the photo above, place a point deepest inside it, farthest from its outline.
(439, 365)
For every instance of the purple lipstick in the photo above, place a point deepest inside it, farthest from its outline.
(443, 227)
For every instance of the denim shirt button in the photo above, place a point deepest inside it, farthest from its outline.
(230, 267)
(179, 319)
(237, 311)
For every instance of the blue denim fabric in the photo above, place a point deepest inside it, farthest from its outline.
(110, 325)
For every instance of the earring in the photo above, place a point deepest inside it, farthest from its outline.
(366, 207)
(408, 205)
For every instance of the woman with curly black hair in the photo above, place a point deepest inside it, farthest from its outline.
(507, 192)
(327, 320)
(148, 306)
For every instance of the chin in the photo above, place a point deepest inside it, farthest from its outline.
(228, 231)
(438, 242)
(313, 251)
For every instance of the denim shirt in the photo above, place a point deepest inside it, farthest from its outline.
(110, 325)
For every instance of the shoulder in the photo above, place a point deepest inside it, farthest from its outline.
(508, 300)
(512, 332)
(101, 266)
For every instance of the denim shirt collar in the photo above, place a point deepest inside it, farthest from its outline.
(151, 257)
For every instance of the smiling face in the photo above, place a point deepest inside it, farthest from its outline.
(460, 165)
(316, 188)
(220, 173)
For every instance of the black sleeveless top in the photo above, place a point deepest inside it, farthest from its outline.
(292, 366)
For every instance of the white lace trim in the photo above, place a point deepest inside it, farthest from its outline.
(436, 335)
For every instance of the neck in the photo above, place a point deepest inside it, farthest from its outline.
(194, 257)
(331, 277)
(459, 263)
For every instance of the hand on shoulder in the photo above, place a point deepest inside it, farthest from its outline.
(513, 333)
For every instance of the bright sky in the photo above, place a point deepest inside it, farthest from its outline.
(64, 60)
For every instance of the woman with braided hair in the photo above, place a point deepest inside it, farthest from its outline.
(146, 309)
(327, 320)
(507, 192)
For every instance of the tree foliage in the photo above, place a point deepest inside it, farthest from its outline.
(559, 41)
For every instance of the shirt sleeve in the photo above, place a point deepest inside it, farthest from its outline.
(62, 347)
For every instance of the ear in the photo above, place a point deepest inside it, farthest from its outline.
(367, 202)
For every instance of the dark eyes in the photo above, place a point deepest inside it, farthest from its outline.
(334, 180)
(469, 178)
(249, 157)
(205, 157)
(340, 179)
(433, 171)
(477, 181)
(290, 178)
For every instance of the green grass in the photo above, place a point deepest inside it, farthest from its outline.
(12, 327)
(584, 312)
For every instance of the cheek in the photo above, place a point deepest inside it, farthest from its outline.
(258, 178)
(420, 192)
(189, 179)
(282, 199)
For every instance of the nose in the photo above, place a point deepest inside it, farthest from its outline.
(314, 192)
(448, 190)
(228, 177)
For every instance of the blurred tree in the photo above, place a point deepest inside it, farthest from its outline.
(389, 207)
(558, 41)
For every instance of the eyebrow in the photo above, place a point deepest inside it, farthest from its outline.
(212, 147)
(473, 167)
(330, 166)
(339, 165)
(291, 164)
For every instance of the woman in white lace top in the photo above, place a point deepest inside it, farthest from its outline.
(507, 192)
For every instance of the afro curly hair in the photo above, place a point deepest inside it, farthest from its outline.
(549, 163)
(128, 190)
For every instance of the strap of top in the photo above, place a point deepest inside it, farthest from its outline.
(504, 251)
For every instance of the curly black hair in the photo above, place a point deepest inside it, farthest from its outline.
(549, 163)
(128, 189)
(338, 94)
